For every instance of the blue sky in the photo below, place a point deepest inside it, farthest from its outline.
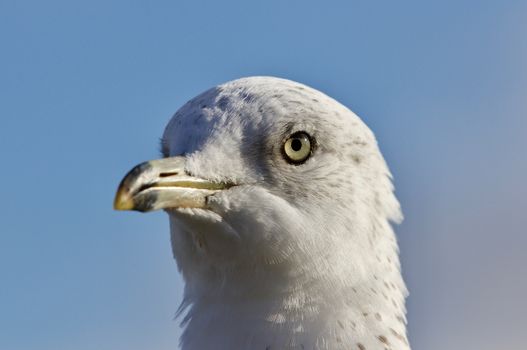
(86, 89)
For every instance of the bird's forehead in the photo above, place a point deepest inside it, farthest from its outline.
(254, 106)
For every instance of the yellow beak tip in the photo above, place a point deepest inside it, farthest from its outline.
(123, 202)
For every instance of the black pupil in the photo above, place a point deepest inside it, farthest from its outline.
(296, 145)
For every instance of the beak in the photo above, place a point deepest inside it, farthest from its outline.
(163, 184)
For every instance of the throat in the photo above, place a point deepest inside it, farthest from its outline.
(371, 316)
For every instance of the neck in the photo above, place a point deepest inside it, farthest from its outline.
(366, 315)
(346, 294)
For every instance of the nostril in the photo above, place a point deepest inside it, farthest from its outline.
(173, 173)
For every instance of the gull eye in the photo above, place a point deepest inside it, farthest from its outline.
(297, 148)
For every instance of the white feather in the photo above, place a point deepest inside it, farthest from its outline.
(296, 256)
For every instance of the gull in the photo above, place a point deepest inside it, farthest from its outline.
(281, 209)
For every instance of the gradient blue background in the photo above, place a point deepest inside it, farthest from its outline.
(87, 87)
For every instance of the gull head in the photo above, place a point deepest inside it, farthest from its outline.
(280, 202)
